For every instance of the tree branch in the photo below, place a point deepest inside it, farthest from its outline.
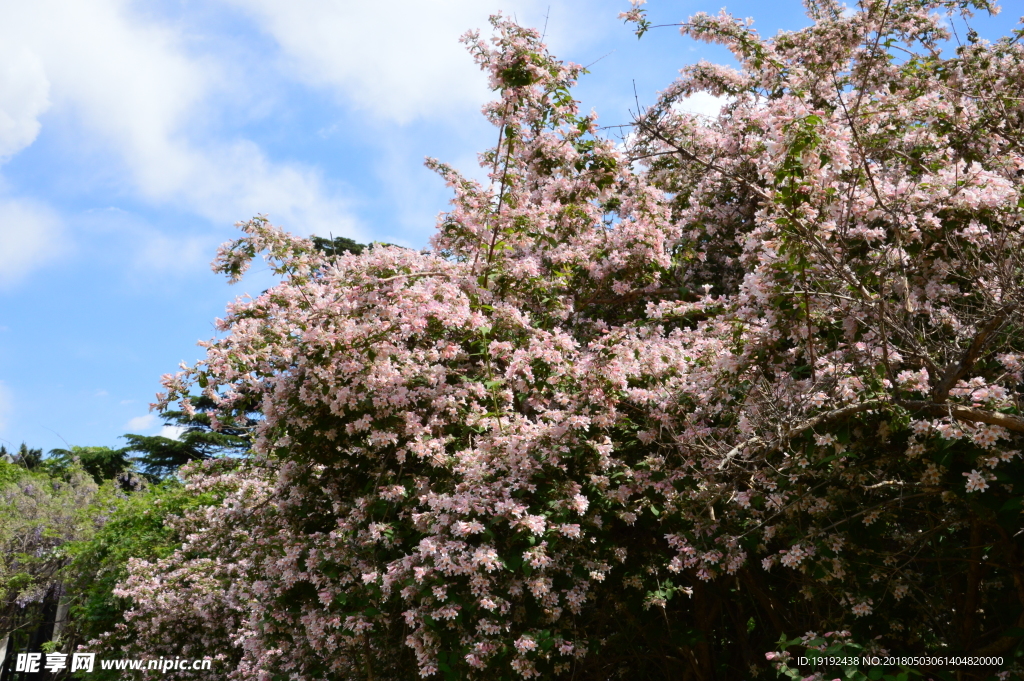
(955, 372)
(973, 414)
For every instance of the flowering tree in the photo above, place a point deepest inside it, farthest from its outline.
(641, 409)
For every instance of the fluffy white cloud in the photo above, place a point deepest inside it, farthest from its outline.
(131, 84)
(702, 104)
(172, 432)
(29, 231)
(141, 424)
(237, 181)
(24, 96)
(30, 235)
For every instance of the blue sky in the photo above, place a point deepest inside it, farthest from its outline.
(133, 135)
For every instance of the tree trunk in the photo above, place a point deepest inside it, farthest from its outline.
(63, 606)
(3, 653)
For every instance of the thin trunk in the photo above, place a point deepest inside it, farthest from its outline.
(3, 652)
(63, 606)
(369, 656)
(973, 586)
(44, 632)
(706, 606)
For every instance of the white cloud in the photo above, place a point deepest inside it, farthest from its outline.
(172, 432)
(24, 96)
(134, 87)
(702, 104)
(30, 235)
(400, 64)
(238, 182)
(124, 79)
(140, 424)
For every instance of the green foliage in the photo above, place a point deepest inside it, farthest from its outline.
(102, 463)
(9, 472)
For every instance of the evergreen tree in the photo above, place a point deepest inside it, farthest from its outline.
(159, 456)
(338, 245)
(24, 457)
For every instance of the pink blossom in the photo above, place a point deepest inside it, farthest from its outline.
(976, 481)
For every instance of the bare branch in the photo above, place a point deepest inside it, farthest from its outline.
(955, 372)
